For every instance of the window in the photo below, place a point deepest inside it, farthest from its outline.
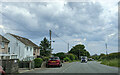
(2, 45)
(34, 50)
(27, 48)
(30, 48)
(9, 50)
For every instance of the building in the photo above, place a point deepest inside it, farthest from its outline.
(4, 51)
(36, 52)
(3, 45)
(22, 47)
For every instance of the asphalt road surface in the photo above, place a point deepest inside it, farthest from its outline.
(78, 67)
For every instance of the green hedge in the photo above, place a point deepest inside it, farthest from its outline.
(111, 56)
(66, 59)
(71, 57)
(38, 62)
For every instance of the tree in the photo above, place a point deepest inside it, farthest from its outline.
(71, 56)
(95, 56)
(61, 55)
(45, 49)
(79, 50)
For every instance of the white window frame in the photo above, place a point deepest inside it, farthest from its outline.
(30, 48)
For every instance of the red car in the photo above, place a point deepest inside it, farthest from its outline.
(54, 61)
(2, 72)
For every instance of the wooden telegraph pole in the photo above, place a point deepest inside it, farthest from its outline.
(50, 37)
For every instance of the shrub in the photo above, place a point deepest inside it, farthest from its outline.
(71, 56)
(38, 62)
(66, 59)
(76, 58)
(45, 58)
(111, 56)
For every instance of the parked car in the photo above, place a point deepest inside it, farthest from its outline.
(54, 61)
(84, 59)
(2, 72)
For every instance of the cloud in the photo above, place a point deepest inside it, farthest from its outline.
(84, 22)
(1, 26)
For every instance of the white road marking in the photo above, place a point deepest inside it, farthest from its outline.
(68, 67)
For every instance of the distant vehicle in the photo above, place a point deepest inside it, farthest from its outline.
(2, 72)
(83, 59)
(54, 61)
(90, 59)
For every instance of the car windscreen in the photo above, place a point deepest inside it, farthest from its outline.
(84, 57)
(54, 58)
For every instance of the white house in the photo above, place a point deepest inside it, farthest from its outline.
(20, 46)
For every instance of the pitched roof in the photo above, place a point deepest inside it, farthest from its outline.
(24, 40)
(3, 39)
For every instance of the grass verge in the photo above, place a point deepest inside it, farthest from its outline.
(112, 62)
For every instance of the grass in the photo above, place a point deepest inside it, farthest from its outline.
(112, 62)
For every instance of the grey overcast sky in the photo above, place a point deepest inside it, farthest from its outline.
(92, 23)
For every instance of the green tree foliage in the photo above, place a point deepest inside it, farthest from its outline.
(66, 59)
(79, 50)
(95, 57)
(111, 56)
(45, 49)
(101, 56)
(76, 58)
(38, 62)
(61, 55)
(71, 56)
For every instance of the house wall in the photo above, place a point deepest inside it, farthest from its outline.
(16, 47)
(36, 52)
(5, 49)
(29, 52)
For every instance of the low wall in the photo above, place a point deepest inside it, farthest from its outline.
(10, 65)
(26, 64)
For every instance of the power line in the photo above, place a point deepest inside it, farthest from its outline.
(60, 37)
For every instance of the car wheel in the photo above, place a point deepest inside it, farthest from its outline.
(61, 65)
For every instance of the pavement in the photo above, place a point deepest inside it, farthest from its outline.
(77, 67)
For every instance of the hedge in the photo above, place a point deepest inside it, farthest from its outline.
(111, 56)
(71, 57)
(38, 62)
(66, 59)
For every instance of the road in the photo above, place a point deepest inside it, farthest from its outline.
(77, 67)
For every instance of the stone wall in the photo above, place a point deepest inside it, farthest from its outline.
(10, 65)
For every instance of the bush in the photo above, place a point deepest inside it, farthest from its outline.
(76, 58)
(45, 58)
(71, 57)
(38, 62)
(111, 56)
(66, 59)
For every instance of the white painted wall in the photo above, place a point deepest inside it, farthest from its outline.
(28, 52)
(18, 48)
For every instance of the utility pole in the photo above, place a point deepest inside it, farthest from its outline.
(68, 47)
(50, 37)
(106, 48)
